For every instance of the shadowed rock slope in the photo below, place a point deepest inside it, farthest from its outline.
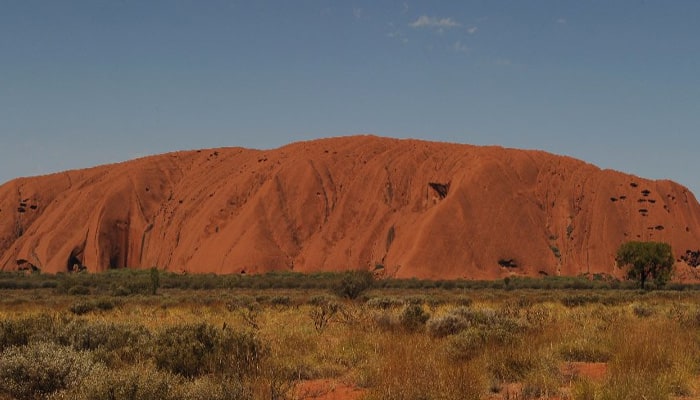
(407, 208)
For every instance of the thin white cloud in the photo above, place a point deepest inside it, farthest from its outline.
(404, 10)
(432, 22)
(561, 21)
(472, 30)
(357, 13)
(459, 47)
(398, 36)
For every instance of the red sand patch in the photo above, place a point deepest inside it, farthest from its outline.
(327, 389)
(593, 371)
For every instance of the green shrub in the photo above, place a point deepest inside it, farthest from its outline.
(384, 302)
(585, 350)
(79, 290)
(512, 363)
(642, 310)
(82, 307)
(413, 318)
(109, 342)
(320, 300)
(22, 331)
(196, 349)
(42, 368)
(464, 301)
(446, 325)
(105, 304)
(136, 383)
(484, 328)
(121, 291)
(579, 300)
(466, 345)
(280, 301)
(354, 283)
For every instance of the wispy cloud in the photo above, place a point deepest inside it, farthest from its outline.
(357, 13)
(459, 47)
(472, 30)
(561, 21)
(425, 21)
(398, 36)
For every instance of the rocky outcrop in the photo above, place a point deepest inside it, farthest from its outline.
(406, 207)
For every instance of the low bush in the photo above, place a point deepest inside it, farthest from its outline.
(79, 290)
(281, 301)
(320, 300)
(86, 306)
(82, 307)
(585, 350)
(514, 362)
(642, 310)
(484, 328)
(136, 383)
(197, 349)
(579, 300)
(111, 343)
(413, 318)
(384, 302)
(354, 283)
(322, 314)
(449, 324)
(22, 331)
(42, 368)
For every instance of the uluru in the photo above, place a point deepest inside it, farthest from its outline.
(400, 207)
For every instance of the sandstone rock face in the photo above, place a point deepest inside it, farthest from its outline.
(406, 208)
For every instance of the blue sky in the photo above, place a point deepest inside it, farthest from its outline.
(615, 83)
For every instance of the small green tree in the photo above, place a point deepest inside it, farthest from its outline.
(646, 260)
(155, 280)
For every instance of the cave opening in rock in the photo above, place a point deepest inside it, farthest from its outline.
(115, 260)
(508, 263)
(440, 188)
(74, 263)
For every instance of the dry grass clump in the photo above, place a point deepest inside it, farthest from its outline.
(654, 360)
(412, 367)
(651, 357)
